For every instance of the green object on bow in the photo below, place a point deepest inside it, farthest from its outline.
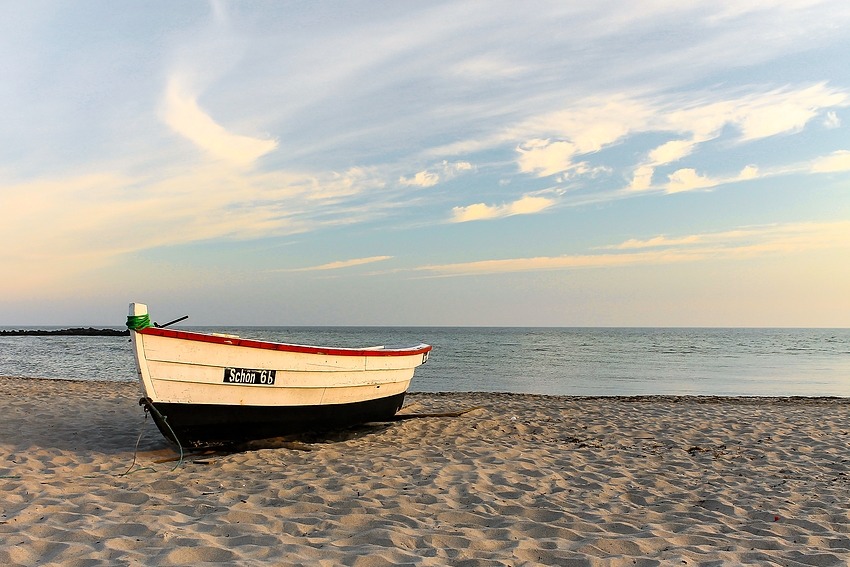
(138, 322)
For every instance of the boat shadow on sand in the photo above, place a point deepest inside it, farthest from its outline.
(110, 431)
(304, 441)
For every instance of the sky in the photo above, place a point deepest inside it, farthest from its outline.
(461, 163)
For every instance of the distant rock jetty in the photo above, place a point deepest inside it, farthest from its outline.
(73, 332)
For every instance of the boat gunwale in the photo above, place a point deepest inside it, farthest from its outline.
(283, 347)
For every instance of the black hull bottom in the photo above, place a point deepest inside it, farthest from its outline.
(208, 425)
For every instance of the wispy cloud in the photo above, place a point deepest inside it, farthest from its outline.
(784, 110)
(737, 244)
(671, 151)
(103, 217)
(745, 235)
(836, 161)
(432, 176)
(182, 114)
(755, 116)
(545, 157)
(485, 67)
(421, 179)
(338, 265)
(560, 141)
(668, 152)
(550, 143)
(526, 205)
(687, 179)
(831, 120)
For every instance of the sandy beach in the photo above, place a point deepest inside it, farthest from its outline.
(521, 480)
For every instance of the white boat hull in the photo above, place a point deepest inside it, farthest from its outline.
(208, 389)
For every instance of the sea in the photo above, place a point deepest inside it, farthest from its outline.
(550, 361)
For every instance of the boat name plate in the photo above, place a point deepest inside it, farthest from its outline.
(249, 376)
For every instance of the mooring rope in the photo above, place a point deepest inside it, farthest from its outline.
(148, 404)
(136, 449)
(138, 322)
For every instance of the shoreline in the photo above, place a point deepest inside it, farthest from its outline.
(522, 479)
(695, 398)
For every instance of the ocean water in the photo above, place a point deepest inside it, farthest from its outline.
(556, 361)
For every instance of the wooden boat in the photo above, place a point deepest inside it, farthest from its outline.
(209, 389)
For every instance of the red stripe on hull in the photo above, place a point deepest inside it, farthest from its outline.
(250, 343)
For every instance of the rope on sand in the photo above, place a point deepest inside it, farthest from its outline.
(136, 449)
(148, 405)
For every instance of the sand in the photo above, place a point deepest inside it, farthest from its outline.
(523, 480)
